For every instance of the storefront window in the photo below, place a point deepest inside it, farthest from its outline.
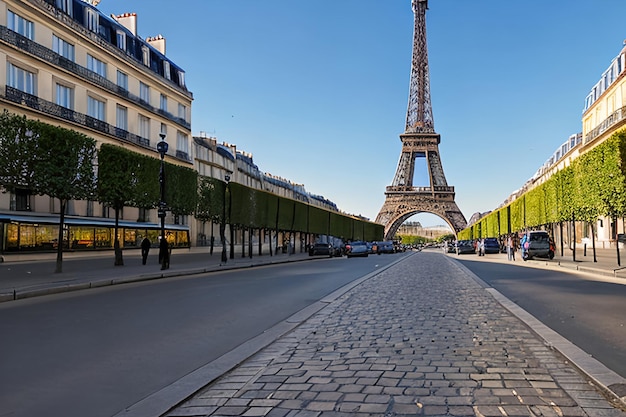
(82, 237)
(47, 237)
(12, 240)
(130, 238)
(36, 237)
(104, 238)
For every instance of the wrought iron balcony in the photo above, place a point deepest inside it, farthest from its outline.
(44, 106)
(53, 58)
(618, 116)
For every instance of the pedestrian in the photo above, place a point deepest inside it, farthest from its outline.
(145, 248)
(481, 247)
(524, 244)
(513, 246)
(508, 247)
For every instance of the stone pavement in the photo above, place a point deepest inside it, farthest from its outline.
(421, 338)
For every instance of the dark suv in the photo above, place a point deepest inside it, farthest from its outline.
(538, 245)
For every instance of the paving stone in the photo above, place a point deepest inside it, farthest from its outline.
(421, 339)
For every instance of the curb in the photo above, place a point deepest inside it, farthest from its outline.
(50, 289)
(608, 381)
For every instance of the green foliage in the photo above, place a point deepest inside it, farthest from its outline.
(181, 189)
(210, 200)
(117, 176)
(16, 150)
(593, 185)
(63, 163)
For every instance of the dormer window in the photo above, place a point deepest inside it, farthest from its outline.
(92, 19)
(121, 40)
(166, 70)
(65, 6)
(145, 52)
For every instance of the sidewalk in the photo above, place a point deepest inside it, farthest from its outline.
(31, 275)
(421, 338)
(605, 266)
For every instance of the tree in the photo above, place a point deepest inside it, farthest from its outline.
(16, 149)
(117, 184)
(62, 164)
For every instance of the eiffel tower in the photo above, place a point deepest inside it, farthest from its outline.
(419, 140)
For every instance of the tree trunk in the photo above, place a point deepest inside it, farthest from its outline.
(619, 263)
(574, 238)
(250, 235)
(593, 241)
(119, 260)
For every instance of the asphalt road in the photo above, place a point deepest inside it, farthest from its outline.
(93, 353)
(589, 313)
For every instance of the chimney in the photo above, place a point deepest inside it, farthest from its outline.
(157, 42)
(128, 20)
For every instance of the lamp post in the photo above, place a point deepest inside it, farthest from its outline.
(223, 224)
(164, 258)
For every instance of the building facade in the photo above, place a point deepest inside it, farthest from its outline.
(604, 114)
(66, 64)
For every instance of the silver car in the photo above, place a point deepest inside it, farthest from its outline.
(356, 248)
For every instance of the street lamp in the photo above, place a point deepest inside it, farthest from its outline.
(164, 258)
(223, 224)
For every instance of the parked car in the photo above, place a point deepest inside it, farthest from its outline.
(385, 247)
(356, 248)
(491, 245)
(536, 244)
(321, 248)
(465, 246)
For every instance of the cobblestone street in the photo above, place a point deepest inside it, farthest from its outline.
(420, 338)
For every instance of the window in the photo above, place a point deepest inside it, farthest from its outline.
(144, 92)
(144, 126)
(97, 66)
(182, 111)
(92, 19)
(163, 130)
(182, 144)
(146, 55)
(20, 200)
(65, 6)
(166, 70)
(21, 79)
(163, 102)
(122, 80)
(181, 79)
(121, 40)
(95, 108)
(121, 117)
(65, 49)
(18, 24)
(65, 96)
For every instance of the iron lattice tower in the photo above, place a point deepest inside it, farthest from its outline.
(419, 140)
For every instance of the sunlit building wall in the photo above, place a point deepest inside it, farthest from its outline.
(65, 63)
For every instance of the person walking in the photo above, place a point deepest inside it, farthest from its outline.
(509, 247)
(145, 248)
(513, 246)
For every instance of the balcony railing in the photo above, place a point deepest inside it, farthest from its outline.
(614, 118)
(39, 104)
(53, 58)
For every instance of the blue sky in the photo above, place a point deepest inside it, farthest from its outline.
(317, 90)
